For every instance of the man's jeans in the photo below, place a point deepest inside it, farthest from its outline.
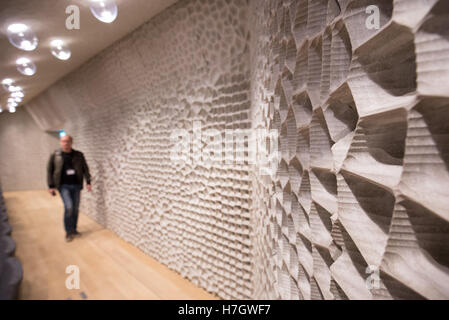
(70, 194)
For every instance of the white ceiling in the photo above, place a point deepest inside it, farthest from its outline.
(47, 19)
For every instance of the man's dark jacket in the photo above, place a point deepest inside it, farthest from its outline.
(56, 162)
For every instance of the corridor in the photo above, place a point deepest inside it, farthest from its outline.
(225, 149)
(110, 268)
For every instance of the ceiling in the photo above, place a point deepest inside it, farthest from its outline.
(47, 18)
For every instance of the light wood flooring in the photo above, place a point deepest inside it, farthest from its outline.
(110, 268)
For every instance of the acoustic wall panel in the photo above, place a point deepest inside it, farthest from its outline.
(187, 68)
(358, 207)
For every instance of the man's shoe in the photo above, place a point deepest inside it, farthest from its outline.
(76, 234)
(68, 237)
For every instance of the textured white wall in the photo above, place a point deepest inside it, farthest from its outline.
(24, 151)
(362, 116)
(190, 63)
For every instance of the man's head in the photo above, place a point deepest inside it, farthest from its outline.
(66, 143)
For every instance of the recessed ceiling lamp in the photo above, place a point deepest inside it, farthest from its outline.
(22, 37)
(26, 66)
(104, 10)
(60, 50)
(7, 83)
(12, 102)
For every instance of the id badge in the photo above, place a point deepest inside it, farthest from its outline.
(70, 172)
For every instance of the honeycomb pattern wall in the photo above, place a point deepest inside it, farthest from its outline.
(359, 206)
(190, 64)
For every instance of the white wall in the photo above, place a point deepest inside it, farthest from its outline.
(24, 151)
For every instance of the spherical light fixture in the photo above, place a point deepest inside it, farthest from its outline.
(13, 88)
(17, 94)
(60, 50)
(25, 66)
(7, 83)
(12, 103)
(22, 37)
(104, 10)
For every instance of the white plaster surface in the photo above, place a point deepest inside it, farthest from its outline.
(363, 123)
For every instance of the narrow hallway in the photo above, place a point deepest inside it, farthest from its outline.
(109, 267)
(236, 150)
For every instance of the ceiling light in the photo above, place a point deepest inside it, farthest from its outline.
(7, 83)
(14, 88)
(26, 66)
(104, 10)
(60, 50)
(18, 99)
(22, 37)
(17, 94)
(12, 105)
(12, 109)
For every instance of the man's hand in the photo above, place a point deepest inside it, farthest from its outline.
(52, 191)
(89, 188)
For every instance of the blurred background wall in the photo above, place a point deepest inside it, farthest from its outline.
(24, 151)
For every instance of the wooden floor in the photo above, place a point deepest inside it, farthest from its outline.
(110, 268)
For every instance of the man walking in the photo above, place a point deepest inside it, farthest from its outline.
(66, 171)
